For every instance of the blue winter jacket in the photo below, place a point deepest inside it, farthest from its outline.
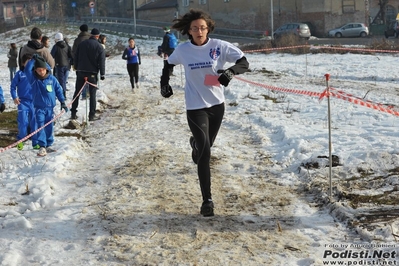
(44, 89)
(132, 55)
(20, 87)
(1, 95)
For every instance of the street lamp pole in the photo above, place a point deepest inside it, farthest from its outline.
(271, 18)
(134, 15)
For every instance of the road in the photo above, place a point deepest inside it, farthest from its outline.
(320, 41)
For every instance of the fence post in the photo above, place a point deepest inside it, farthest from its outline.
(329, 135)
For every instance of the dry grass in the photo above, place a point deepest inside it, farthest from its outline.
(269, 46)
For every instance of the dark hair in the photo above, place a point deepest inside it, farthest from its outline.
(101, 38)
(131, 38)
(44, 39)
(183, 24)
(25, 58)
(35, 33)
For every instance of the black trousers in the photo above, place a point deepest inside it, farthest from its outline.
(133, 70)
(168, 67)
(204, 125)
(80, 80)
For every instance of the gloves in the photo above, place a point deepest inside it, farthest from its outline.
(2, 107)
(63, 106)
(102, 77)
(225, 77)
(166, 91)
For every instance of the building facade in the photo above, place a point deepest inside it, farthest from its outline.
(322, 15)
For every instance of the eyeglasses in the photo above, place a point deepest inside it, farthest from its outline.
(196, 29)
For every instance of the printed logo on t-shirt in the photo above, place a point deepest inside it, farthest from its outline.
(214, 53)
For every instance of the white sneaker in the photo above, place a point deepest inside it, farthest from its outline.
(137, 85)
(42, 152)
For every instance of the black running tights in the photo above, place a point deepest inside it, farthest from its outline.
(204, 125)
(133, 70)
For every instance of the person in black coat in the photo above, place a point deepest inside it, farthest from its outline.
(62, 55)
(89, 61)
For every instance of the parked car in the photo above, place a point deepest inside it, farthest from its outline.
(300, 30)
(392, 29)
(350, 30)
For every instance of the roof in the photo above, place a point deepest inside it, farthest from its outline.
(159, 5)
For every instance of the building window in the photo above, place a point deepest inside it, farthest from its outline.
(202, 2)
(14, 9)
(186, 2)
(390, 13)
(348, 6)
(39, 7)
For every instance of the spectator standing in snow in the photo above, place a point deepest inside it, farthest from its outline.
(103, 39)
(66, 40)
(132, 55)
(203, 58)
(89, 61)
(34, 46)
(46, 89)
(62, 56)
(82, 36)
(12, 60)
(21, 93)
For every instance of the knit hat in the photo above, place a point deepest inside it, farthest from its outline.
(95, 31)
(84, 27)
(166, 29)
(59, 36)
(40, 62)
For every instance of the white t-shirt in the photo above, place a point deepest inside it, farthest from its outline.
(199, 61)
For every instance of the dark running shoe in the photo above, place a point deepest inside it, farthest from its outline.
(94, 118)
(74, 116)
(207, 208)
(194, 153)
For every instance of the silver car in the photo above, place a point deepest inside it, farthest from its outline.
(350, 30)
(300, 30)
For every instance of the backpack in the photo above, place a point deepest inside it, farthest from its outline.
(172, 41)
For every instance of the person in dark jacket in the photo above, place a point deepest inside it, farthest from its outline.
(132, 55)
(82, 36)
(89, 60)
(62, 55)
(12, 60)
(66, 40)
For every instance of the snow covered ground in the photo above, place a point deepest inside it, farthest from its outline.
(124, 191)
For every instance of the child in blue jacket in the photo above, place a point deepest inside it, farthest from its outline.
(21, 93)
(45, 90)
